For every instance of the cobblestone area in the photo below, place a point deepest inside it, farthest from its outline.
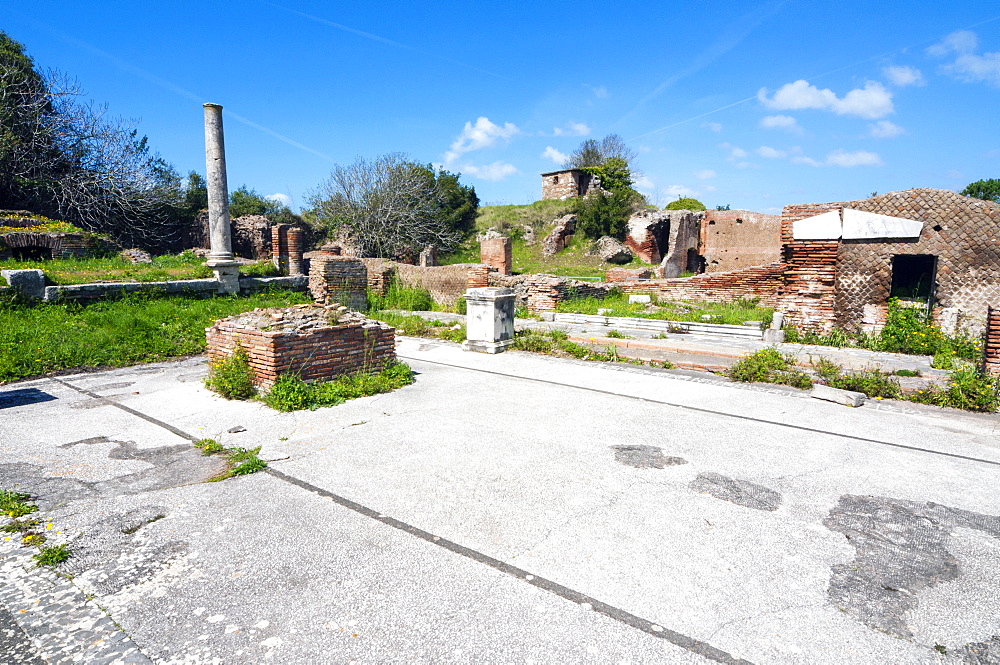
(45, 618)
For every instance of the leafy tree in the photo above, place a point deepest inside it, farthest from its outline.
(606, 213)
(390, 206)
(64, 158)
(597, 153)
(602, 214)
(685, 204)
(988, 190)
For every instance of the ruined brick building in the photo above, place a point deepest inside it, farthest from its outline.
(931, 247)
(568, 184)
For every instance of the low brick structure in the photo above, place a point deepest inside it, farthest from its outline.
(614, 275)
(763, 282)
(312, 342)
(342, 279)
(544, 292)
(48, 245)
(496, 253)
(736, 239)
(477, 277)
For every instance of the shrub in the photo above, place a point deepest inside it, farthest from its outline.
(968, 388)
(231, 377)
(290, 393)
(769, 366)
(52, 556)
(685, 204)
(530, 340)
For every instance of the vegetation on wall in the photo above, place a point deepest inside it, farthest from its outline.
(687, 204)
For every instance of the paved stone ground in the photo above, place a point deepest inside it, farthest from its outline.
(511, 508)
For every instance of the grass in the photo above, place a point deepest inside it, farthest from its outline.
(231, 377)
(140, 328)
(734, 313)
(511, 220)
(53, 555)
(417, 326)
(163, 268)
(14, 504)
(555, 342)
(292, 394)
(769, 366)
(241, 461)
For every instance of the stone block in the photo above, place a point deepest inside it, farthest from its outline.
(489, 319)
(30, 283)
(861, 225)
(838, 396)
(825, 226)
(774, 336)
(640, 298)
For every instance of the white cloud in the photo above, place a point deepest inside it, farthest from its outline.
(679, 191)
(572, 129)
(736, 155)
(903, 76)
(482, 134)
(883, 129)
(600, 92)
(554, 155)
(644, 184)
(968, 66)
(806, 160)
(786, 122)
(644, 149)
(283, 199)
(496, 171)
(704, 174)
(960, 41)
(851, 159)
(714, 126)
(770, 153)
(872, 101)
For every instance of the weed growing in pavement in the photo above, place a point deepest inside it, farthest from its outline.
(20, 526)
(769, 366)
(908, 372)
(209, 446)
(14, 504)
(242, 461)
(231, 377)
(289, 393)
(52, 556)
(968, 388)
(869, 380)
(614, 334)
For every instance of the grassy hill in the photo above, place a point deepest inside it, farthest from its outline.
(540, 216)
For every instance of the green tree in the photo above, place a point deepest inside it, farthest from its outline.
(64, 158)
(685, 204)
(987, 190)
(606, 212)
(602, 214)
(597, 153)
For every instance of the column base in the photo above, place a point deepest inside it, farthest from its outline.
(227, 273)
(480, 346)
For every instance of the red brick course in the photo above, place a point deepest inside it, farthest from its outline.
(496, 253)
(991, 342)
(761, 282)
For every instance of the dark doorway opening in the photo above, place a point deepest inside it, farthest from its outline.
(913, 277)
(695, 262)
(31, 253)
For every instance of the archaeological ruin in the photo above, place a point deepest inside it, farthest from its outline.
(568, 184)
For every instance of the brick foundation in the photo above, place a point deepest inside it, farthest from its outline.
(761, 282)
(316, 355)
(991, 341)
(287, 245)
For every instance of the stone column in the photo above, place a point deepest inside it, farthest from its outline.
(489, 319)
(220, 257)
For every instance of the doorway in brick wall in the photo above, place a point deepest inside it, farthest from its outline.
(913, 279)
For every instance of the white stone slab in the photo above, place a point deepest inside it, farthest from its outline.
(838, 396)
(825, 226)
(638, 298)
(860, 225)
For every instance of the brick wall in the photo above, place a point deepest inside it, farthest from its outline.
(477, 277)
(846, 283)
(496, 253)
(991, 341)
(735, 239)
(342, 279)
(543, 292)
(614, 275)
(315, 355)
(446, 284)
(58, 245)
(761, 282)
(380, 274)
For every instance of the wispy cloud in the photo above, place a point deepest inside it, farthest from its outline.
(478, 135)
(785, 122)
(968, 66)
(842, 158)
(872, 101)
(572, 129)
(704, 174)
(383, 40)
(554, 155)
(902, 76)
(737, 156)
(768, 152)
(883, 129)
(283, 199)
(496, 171)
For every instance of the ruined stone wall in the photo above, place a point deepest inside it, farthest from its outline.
(321, 354)
(763, 282)
(735, 239)
(446, 284)
(568, 184)
(544, 292)
(963, 233)
(846, 283)
(342, 279)
(57, 245)
(380, 274)
(287, 245)
(496, 253)
(614, 275)
(685, 235)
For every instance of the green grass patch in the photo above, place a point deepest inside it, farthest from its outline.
(42, 337)
(869, 381)
(163, 268)
(769, 366)
(290, 393)
(401, 297)
(968, 389)
(734, 313)
(414, 325)
(241, 461)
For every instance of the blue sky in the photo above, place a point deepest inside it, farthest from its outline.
(752, 104)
